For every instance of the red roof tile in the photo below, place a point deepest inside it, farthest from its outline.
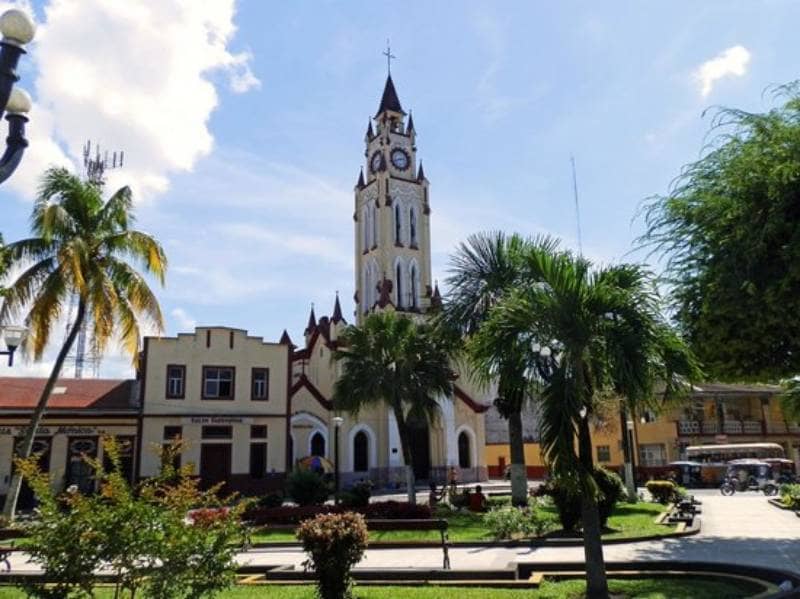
(19, 393)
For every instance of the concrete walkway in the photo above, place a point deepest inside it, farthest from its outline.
(743, 529)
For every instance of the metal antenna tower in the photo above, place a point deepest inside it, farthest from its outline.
(84, 355)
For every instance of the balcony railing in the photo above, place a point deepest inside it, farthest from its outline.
(735, 427)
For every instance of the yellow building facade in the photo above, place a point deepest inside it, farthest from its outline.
(713, 414)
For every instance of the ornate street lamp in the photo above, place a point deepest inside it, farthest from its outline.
(337, 424)
(13, 337)
(18, 29)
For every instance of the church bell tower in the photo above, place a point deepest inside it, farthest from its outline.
(392, 217)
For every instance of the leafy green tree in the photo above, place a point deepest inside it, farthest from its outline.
(391, 359)
(728, 230)
(166, 539)
(588, 335)
(790, 398)
(484, 269)
(80, 245)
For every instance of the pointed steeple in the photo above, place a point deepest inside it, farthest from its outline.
(420, 172)
(436, 300)
(370, 133)
(285, 339)
(312, 322)
(360, 184)
(337, 311)
(389, 100)
(410, 126)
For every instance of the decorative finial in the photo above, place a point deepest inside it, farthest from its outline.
(389, 56)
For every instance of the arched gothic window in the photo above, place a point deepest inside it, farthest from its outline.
(360, 452)
(398, 224)
(412, 224)
(399, 283)
(414, 281)
(318, 444)
(374, 213)
(365, 227)
(464, 453)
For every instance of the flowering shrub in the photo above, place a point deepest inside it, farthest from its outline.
(207, 517)
(510, 522)
(389, 510)
(154, 542)
(334, 543)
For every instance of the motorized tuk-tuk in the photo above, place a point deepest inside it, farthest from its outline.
(783, 470)
(748, 475)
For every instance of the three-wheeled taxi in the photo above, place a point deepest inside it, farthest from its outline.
(748, 475)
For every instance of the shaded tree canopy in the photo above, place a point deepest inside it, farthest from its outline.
(729, 231)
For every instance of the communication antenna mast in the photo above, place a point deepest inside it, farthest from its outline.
(84, 355)
(577, 205)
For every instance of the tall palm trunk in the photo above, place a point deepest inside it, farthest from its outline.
(10, 506)
(596, 583)
(627, 452)
(405, 447)
(519, 478)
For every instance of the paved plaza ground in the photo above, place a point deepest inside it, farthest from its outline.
(742, 529)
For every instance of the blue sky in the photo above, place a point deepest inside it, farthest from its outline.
(244, 130)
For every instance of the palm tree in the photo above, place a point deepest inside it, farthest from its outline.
(790, 399)
(79, 247)
(588, 336)
(482, 271)
(393, 360)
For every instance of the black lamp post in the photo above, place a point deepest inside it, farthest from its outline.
(13, 337)
(337, 424)
(18, 29)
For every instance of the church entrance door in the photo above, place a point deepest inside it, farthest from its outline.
(420, 449)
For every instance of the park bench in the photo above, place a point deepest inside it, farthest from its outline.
(439, 524)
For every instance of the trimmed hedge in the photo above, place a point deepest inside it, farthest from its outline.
(663, 491)
(384, 510)
(790, 496)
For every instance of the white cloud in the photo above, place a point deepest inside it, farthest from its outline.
(133, 76)
(732, 62)
(183, 321)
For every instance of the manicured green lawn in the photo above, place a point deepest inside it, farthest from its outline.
(627, 521)
(665, 588)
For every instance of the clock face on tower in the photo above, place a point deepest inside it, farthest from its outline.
(400, 159)
(376, 164)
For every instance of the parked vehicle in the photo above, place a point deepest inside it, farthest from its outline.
(686, 474)
(783, 470)
(748, 475)
(722, 453)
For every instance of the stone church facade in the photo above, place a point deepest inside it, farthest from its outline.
(392, 246)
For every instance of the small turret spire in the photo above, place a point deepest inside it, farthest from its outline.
(337, 311)
(436, 300)
(420, 172)
(360, 184)
(410, 126)
(312, 322)
(370, 133)
(285, 339)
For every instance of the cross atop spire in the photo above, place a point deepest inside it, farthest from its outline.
(389, 56)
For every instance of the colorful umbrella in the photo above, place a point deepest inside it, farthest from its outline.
(316, 463)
